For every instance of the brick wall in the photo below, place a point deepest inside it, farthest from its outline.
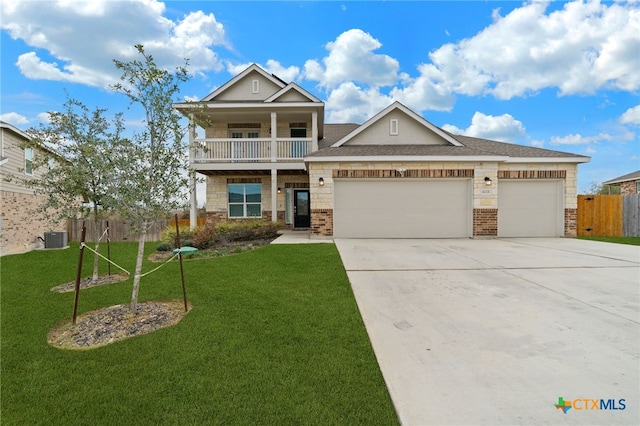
(627, 188)
(322, 222)
(20, 226)
(485, 222)
(570, 222)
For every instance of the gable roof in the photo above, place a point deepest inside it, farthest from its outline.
(467, 149)
(14, 129)
(624, 178)
(291, 87)
(398, 106)
(251, 68)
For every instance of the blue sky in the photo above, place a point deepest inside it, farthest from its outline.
(559, 75)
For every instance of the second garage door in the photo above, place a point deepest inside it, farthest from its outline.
(530, 208)
(421, 208)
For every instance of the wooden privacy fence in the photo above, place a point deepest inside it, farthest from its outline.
(119, 229)
(609, 215)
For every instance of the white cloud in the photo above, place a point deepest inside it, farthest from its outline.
(349, 103)
(43, 117)
(579, 49)
(631, 116)
(287, 74)
(14, 118)
(503, 128)
(272, 67)
(352, 58)
(88, 34)
(578, 139)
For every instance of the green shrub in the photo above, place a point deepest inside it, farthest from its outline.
(168, 235)
(164, 247)
(234, 231)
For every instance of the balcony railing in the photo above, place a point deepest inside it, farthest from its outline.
(251, 150)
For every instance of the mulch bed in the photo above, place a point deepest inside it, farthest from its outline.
(108, 325)
(89, 282)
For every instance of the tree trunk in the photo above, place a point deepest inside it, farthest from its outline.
(96, 238)
(136, 277)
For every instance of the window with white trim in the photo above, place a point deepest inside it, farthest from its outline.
(245, 200)
(28, 161)
(393, 126)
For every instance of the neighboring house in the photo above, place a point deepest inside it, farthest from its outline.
(267, 153)
(19, 227)
(629, 183)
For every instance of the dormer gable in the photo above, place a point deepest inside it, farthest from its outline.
(397, 125)
(292, 93)
(252, 84)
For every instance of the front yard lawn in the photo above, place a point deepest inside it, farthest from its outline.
(618, 240)
(274, 337)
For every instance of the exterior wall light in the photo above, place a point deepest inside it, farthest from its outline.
(279, 190)
(321, 181)
(487, 181)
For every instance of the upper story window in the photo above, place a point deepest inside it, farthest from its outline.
(393, 126)
(255, 86)
(28, 161)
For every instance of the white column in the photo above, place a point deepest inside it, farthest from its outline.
(193, 211)
(274, 195)
(314, 131)
(274, 135)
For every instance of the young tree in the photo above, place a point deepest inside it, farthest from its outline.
(152, 166)
(76, 148)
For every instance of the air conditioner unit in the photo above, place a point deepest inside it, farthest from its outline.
(55, 239)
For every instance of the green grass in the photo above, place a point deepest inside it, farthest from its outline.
(274, 337)
(618, 240)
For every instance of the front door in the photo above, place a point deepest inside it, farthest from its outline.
(301, 209)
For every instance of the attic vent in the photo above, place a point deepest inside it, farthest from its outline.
(393, 126)
(255, 86)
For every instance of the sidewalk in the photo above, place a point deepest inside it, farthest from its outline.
(300, 237)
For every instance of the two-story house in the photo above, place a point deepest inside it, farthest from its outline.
(267, 153)
(20, 229)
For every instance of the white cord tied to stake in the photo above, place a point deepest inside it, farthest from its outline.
(83, 245)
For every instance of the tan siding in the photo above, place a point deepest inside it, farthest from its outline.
(292, 96)
(14, 168)
(410, 132)
(242, 89)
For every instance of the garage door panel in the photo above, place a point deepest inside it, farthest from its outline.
(530, 209)
(401, 209)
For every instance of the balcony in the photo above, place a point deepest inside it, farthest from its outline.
(251, 150)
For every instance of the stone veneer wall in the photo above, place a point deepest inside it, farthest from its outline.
(485, 222)
(20, 226)
(214, 217)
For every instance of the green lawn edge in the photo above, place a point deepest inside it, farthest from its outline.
(274, 337)
(617, 240)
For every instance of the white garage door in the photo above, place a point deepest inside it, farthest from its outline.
(530, 208)
(420, 208)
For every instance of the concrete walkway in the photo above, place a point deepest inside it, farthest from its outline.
(299, 237)
(493, 332)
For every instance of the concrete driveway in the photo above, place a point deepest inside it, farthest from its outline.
(495, 331)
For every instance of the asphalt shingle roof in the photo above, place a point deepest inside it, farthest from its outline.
(471, 147)
(630, 176)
